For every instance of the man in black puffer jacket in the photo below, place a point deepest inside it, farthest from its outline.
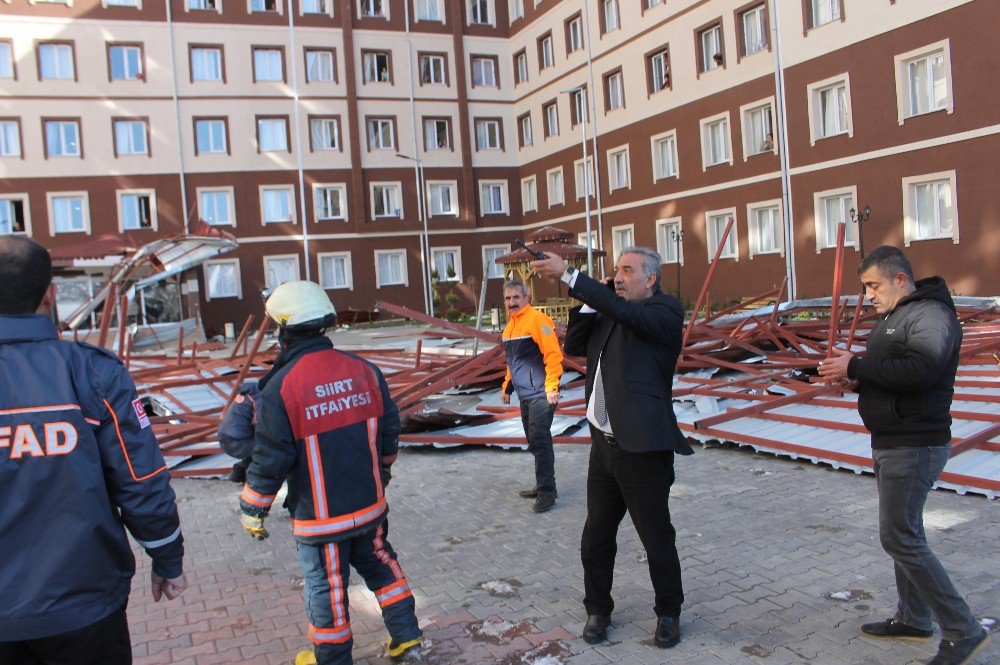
(905, 384)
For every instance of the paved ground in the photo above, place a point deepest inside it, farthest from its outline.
(781, 565)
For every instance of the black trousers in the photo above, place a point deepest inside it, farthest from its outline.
(105, 642)
(536, 417)
(619, 481)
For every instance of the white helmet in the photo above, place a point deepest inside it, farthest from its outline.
(300, 305)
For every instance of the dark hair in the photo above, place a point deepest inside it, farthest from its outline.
(889, 261)
(25, 273)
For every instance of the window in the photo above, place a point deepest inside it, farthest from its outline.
(716, 222)
(529, 195)
(330, 202)
(320, 65)
(206, 63)
(520, 67)
(381, 134)
(669, 237)
(923, 81)
(491, 253)
(215, 206)
(56, 61)
(524, 130)
(587, 241)
(10, 138)
(833, 208)
(715, 147)
(574, 34)
(272, 134)
(554, 185)
(658, 68)
(62, 138)
(374, 8)
(618, 169)
(257, 6)
(433, 69)
(614, 91)
(546, 58)
(447, 262)
(202, 4)
(488, 134)
(335, 271)
(493, 197)
(317, 7)
(752, 26)
(280, 269)
(710, 54)
(484, 72)
(758, 128)
(130, 137)
(268, 64)
(443, 198)
(437, 134)
(830, 108)
(386, 200)
(324, 133)
(582, 181)
(276, 204)
(621, 237)
(222, 279)
(609, 15)
(6, 59)
(124, 62)
(578, 106)
(376, 67)
(551, 112)
(136, 210)
(69, 212)
(764, 220)
(211, 136)
(929, 208)
(517, 11)
(652, 3)
(820, 12)
(429, 10)
(479, 12)
(13, 213)
(664, 148)
(390, 268)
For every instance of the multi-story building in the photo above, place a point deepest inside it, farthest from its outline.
(364, 143)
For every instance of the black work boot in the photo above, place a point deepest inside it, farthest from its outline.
(596, 628)
(668, 631)
(544, 503)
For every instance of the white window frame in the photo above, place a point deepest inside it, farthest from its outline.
(328, 65)
(654, 149)
(752, 209)
(442, 68)
(433, 123)
(239, 279)
(153, 220)
(708, 62)
(612, 15)
(710, 242)
(549, 190)
(348, 270)
(145, 137)
(516, 10)
(55, 50)
(748, 48)
(62, 139)
(663, 242)
(326, 7)
(369, 123)
(438, 6)
(281, 257)
(489, 266)
(25, 209)
(901, 64)
(705, 125)
(213, 5)
(7, 59)
(217, 59)
(457, 279)
(527, 135)
(270, 134)
(268, 54)
(122, 3)
(548, 53)
(620, 87)
(225, 138)
(496, 135)
(504, 197)
(581, 239)
(490, 18)
(404, 269)
(125, 49)
(521, 68)
(334, 132)
(279, 7)
(398, 211)
(551, 113)
(745, 111)
(910, 225)
(480, 62)
(574, 34)
(613, 181)
(580, 174)
(383, 4)
(834, 6)
(813, 90)
(452, 186)
(11, 148)
(529, 190)
(819, 216)
(292, 207)
(616, 245)
(340, 187)
(660, 61)
(50, 198)
(231, 199)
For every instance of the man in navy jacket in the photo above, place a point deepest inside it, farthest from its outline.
(78, 466)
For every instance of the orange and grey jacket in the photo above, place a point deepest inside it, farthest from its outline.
(534, 359)
(327, 424)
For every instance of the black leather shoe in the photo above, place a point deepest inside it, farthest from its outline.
(528, 494)
(544, 503)
(895, 630)
(668, 632)
(596, 628)
(959, 652)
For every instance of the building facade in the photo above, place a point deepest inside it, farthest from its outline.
(366, 143)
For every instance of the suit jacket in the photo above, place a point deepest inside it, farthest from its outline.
(638, 345)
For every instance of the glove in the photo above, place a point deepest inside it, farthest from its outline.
(254, 526)
(386, 474)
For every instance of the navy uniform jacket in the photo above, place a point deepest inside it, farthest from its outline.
(78, 465)
(328, 425)
(237, 427)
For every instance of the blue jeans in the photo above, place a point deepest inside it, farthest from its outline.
(536, 416)
(904, 477)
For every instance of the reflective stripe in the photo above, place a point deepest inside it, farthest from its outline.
(316, 477)
(376, 467)
(339, 523)
(329, 635)
(512, 339)
(379, 548)
(393, 593)
(152, 544)
(336, 583)
(255, 499)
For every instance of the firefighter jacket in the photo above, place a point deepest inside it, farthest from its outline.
(327, 424)
(534, 359)
(236, 430)
(78, 465)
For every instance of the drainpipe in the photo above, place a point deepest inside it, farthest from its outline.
(593, 115)
(425, 279)
(177, 120)
(786, 184)
(293, 66)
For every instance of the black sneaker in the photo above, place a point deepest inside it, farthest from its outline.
(544, 503)
(895, 630)
(529, 494)
(959, 652)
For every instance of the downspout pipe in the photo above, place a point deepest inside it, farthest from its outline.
(293, 62)
(786, 183)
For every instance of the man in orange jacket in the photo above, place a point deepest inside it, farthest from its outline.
(534, 365)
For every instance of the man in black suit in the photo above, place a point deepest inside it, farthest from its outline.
(630, 332)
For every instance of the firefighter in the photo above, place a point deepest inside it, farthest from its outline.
(328, 425)
(236, 430)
